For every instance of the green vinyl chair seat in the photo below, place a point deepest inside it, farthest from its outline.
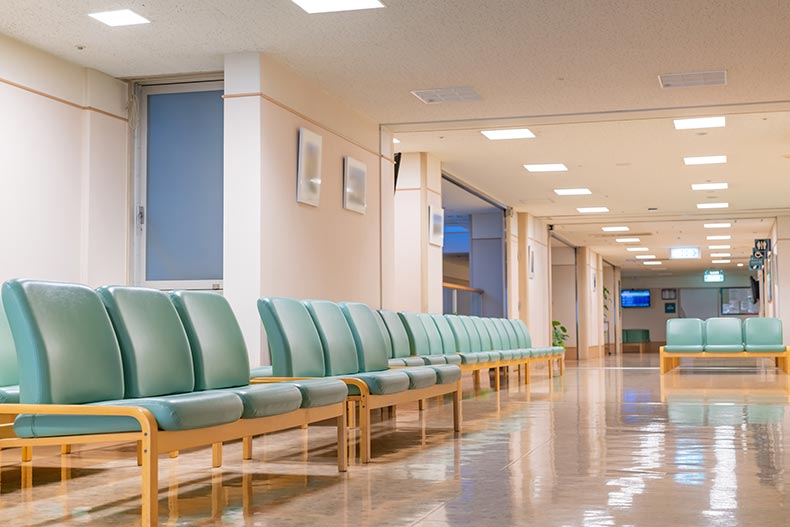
(9, 395)
(321, 392)
(264, 400)
(433, 359)
(186, 411)
(753, 347)
(723, 348)
(447, 373)
(384, 382)
(723, 334)
(420, 377)
(261, 371)
(469, 358)
(685, 335)
(509, 354)
(406, 361)
(557, 350)
(763, 334)
(453, 359)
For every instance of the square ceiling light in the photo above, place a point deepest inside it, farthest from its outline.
(547, 167)
(512, 133)
(709, 186)
(591, 210)
(712, 205)
(645, 256)
(637, 249)
(717, 225)
(719, 237)
(652, 262)
(719, 247)
(700, 122)
(331, 6)
(705, 160)
(627, 240)
(572, 191)
(120, 17)
(615, 228)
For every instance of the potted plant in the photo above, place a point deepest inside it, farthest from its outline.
(559, 334)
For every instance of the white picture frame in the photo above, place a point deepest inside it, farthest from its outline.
(436, 226)
(355, 176)
(308, 168)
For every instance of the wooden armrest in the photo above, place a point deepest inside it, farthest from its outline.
(140, 414)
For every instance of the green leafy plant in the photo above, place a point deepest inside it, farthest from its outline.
(559, 333)
(606, 297)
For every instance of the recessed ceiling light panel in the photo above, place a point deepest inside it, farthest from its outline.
(615, 228)
(720, 261)
(700, 122)
(712, 205)
(645, 256)
(512, 133)
(718, 225)
(592, 210)
(705, 160)
(120, 17)
(627, 240)
(572, 191)
(637, 249)
(719, 237)
(547, 167)
(652, 262)
(709, 186)
(331, 6)
(715, 247)
(720, 255)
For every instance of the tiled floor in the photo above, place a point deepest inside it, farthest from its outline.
(607, 444)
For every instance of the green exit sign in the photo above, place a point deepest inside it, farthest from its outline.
(713, 275)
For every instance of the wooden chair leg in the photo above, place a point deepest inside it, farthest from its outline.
(65, 450)
(526, 372)
(139, 453)
(173, 454)
(364, 430)
(150, 488)
(496, 378)
(476, 378)
(246, 447)
(457, 414)
(421, 404)
(216, 455)
(342, 446)
(27, 453)
(551, 368)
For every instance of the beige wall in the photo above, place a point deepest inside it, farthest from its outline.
(534, 297)
(64, 199)
(563, 290)
(275, 246)
(589, 276)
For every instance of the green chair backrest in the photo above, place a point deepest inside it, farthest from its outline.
(435, 344)
(685, 332)
(485, 337)
(219, 353)
(523, 333)
(723, 331)
(66, 346)
(462, 341)
(340, 350)
(368, 336)
(154, 346)
(763, 332)
(8, 367)
(449, 344)
(475, 340)
(399, 338)
(294, 343)
(493, 333)
(415, 329)
(507, 327)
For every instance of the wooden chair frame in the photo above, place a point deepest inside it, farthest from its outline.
(671, 360)
(368, 401)
(151, 442)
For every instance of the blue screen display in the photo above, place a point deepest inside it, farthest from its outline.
(635, 298)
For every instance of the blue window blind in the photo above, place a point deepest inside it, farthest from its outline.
(184, 186)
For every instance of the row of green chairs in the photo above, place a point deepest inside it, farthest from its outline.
(349, 341)
(723, 337)
(474, 343)
(169, 372)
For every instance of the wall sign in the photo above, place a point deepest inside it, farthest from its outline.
(670, 307)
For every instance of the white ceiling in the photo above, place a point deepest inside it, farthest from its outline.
(581, 75)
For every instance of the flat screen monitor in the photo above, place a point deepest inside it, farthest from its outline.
(635, 298)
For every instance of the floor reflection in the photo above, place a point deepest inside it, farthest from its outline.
(611, 443)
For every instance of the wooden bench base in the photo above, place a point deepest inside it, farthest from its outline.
(670, 361)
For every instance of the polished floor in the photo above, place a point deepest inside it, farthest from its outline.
(610, 443)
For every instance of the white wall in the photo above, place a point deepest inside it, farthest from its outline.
(64, 205)
(275, 246)
(534, 287)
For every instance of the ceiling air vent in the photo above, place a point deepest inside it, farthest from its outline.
(695, 78)
(442, 95)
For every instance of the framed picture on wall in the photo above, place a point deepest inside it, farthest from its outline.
(531, 260)
(308, 168)
(436, 226)
(669, 294)
(355, 175)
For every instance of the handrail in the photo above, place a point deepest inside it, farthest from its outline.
(448, 285)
